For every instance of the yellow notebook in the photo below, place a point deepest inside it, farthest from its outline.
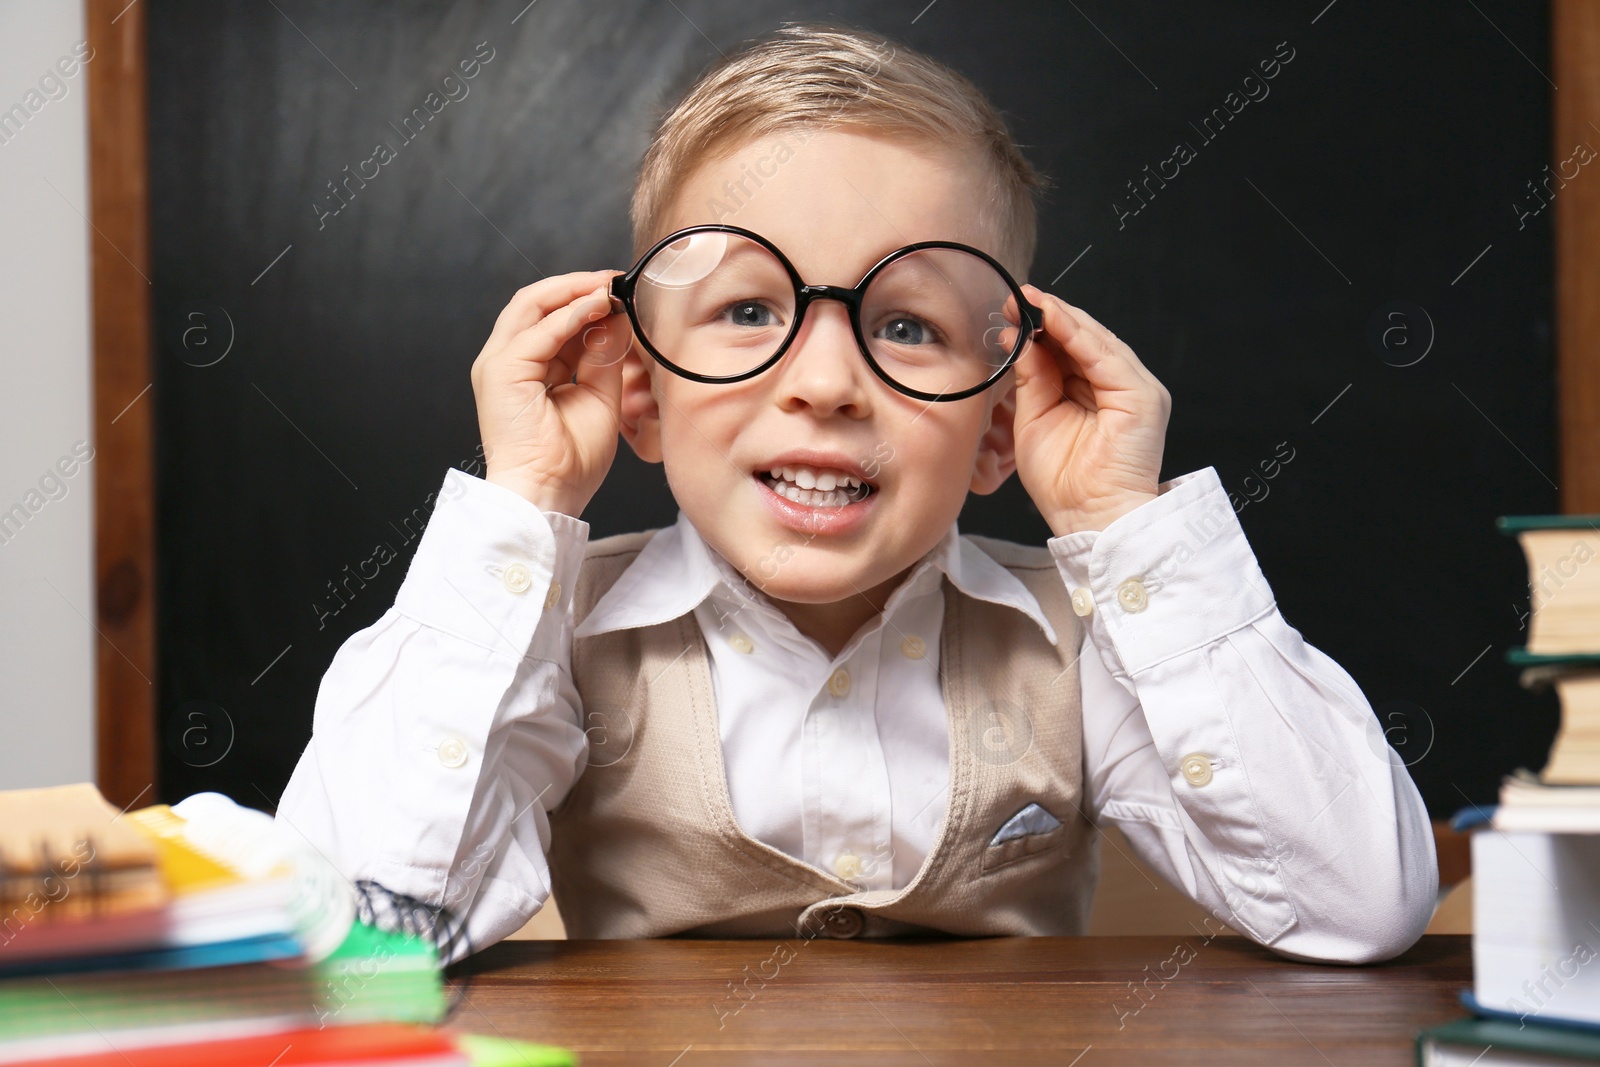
(186, 869)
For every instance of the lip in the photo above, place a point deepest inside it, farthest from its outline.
(809, 520)
(813, 521)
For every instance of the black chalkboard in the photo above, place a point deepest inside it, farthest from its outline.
(1342, 281)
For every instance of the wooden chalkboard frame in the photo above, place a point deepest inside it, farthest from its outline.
(125, 511)
(122, 407)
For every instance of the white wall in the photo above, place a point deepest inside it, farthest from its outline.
(47, 643)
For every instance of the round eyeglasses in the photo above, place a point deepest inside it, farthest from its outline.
(717, 303)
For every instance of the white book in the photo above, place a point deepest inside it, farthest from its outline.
(1536, 923)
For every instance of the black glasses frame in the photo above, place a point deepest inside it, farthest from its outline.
(623, 287)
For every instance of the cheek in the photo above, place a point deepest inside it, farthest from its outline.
(698, 431)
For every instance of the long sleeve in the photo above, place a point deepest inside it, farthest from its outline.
(1242, 763)
(445, 731)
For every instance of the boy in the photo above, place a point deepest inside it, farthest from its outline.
(810, 705)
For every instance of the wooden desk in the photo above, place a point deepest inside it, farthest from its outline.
(991, 1001)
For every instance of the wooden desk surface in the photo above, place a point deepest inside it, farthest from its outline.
(989, 1001)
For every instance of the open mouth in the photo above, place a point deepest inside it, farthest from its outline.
(816, 488)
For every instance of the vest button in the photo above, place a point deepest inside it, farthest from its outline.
(843, 922)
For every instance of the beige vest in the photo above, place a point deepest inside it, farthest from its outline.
(646, 845)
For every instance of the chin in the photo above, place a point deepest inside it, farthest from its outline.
(798, 589)
(800, 592)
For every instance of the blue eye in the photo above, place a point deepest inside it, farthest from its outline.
(750, 313)
(909, 330)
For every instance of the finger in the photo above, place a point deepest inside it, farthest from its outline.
(542, 352)
(532, 303)
(1099, 330)
(1106, 363)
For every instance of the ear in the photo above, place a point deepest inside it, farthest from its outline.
(641, 411)
(997, 448)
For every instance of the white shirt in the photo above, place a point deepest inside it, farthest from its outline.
(1240, 762)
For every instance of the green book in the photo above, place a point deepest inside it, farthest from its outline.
(1523, 658)
(1511, 525)
(1498, 1042)
(1563, 555)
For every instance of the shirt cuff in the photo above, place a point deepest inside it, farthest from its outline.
(1174, 574)
(491, 567)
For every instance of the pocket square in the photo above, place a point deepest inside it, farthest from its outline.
(1030, 820)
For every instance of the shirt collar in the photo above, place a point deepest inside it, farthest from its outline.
(676, 570)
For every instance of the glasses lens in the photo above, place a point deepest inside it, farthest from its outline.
(935, 320)
(715, 303)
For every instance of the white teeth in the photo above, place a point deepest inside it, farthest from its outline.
(819, 489)
(810, 478)
(835, 498)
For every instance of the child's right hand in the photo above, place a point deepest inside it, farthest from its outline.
(546, 437)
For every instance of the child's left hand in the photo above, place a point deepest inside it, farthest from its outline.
(1090, 421)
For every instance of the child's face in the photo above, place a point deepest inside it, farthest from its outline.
(837, 204)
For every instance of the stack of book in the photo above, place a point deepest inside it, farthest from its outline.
(1536, 855)
(201, 934)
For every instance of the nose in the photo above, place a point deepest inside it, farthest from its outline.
(823, 368)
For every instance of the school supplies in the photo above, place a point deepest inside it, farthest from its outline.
(202, 921)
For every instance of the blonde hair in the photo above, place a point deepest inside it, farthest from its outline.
(815, 75)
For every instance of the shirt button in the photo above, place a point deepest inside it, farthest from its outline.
(741, 643)
(452, 752)
(847, 865)
(516, 578)
(1196, 768)
(1082, 602)
(839, 683)
(914, 647)
(1131, 595)
(553, 595)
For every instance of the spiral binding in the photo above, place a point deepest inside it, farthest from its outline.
(379, 906)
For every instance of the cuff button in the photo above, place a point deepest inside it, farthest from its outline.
(1082, 602)
(1196, 768)
(1132, 596)
(516, 578)
(452, 752)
